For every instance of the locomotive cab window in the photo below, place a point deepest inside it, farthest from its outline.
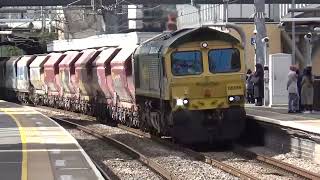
(186, 63)
(224, 60)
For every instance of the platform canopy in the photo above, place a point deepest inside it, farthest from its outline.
(109, 2)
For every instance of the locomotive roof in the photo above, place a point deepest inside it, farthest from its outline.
(176, 38)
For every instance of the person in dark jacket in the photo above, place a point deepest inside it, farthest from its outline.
(299, 75)
(249, 86)
(307, 91)
(258, 85)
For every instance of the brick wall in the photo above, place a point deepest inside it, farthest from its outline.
(286, 140)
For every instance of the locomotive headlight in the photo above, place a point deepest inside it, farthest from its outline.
(234, 99)
(179, 102)
(204, 44)
(182, 102)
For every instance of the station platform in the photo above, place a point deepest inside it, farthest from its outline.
(34, 147)
(307, 122)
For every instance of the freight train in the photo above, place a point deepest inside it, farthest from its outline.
(188, 84)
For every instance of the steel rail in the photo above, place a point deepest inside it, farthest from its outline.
(108, 174)
(196, 155)
(154, 166)
(268, 160)
(277, 163)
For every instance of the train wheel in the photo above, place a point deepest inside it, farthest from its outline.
(143, 121)
(99, 114)
(129, 119)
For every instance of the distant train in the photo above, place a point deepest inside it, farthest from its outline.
(188, 84)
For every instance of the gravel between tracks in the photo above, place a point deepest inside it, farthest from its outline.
(290, 158)
(253, 167)
(177, 162)
(234, 159)
(121, 164)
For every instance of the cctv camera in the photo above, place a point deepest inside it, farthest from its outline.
(308, 36)
(255, 31)
(265, 40)
(281, 24)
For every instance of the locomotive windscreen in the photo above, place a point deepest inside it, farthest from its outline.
(186, 63)
(224, 60)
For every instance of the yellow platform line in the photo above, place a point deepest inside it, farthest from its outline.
(24, 173)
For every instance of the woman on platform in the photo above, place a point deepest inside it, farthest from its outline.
(307, 90)
(258, 85)
(249, 84)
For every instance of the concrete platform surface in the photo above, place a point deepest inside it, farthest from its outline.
(279, 115)
(34, 147)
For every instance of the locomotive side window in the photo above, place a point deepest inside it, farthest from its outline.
(186, 63)
(224, 60)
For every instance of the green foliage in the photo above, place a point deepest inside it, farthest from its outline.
(46, 37)
(8, 51)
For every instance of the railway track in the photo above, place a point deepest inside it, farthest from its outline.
(277, 163)
(223, 166)
(200, 157)
(107, 174)
(239, 150)
(157, 168)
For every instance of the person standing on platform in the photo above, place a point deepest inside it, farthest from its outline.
(299, 75)
(307, 90)
(292, 88)
(258, 85)
(249, 84)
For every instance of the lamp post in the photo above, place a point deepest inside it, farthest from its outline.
(265, 42)
(308, 39)
(293, 35)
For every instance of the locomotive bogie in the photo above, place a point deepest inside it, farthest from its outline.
(208, 126)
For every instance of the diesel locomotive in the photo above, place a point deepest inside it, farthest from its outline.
(188, 84)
